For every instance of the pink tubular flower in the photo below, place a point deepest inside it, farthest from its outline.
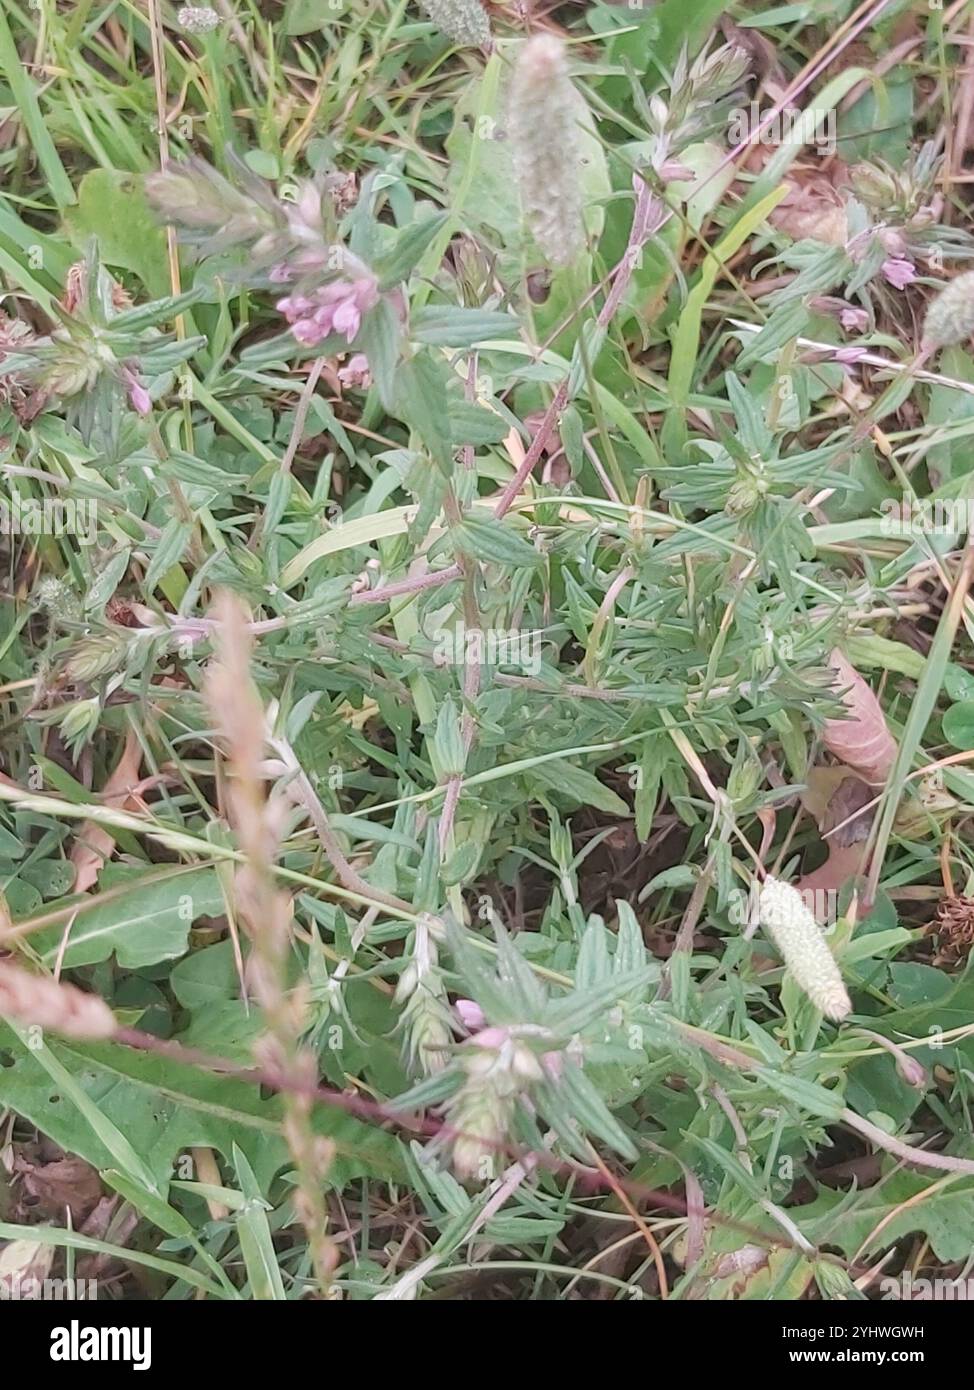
(899, 272)
(470, 1013)
(854, 320)
(554, 1064)
(355, 374)
(307, 332)
(139, 398)
(491, 1038)
(335, 308)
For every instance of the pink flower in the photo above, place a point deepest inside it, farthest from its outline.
(293, 305)
(554, 1063)
(492, 1038)
(338, 307)
(356, 374)
(307, 332)
(893, 242)
(470, 1013)
(347, 319)
(854, 320)
(899, 272)
(138, 396)
(279, 274)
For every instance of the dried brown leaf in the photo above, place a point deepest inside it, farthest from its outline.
(49, 1189)
(812, 209)
(846, 821)
(95, 845)
(862, 740)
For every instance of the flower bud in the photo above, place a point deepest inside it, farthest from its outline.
(744, 494)
(911, 1071)
(94, 657)
(874, 186)
(725, 69)
(470, 1014)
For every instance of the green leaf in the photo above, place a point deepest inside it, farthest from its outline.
(379, 338)
(652, 41)
(152, 1206)
(311, 16)
(447, 743)
(349, 535)
(256, 1242)
(475, 144)
(278, 499)
(686, 342)
(206, 977)
(113, 209)
(407, 250)
(461, 864)
(808, 1095)
(72, 1240)
(912, 983)
(421, 400)
(473, 424)
(148, 924)
(170, 548)
(586, 1106)
(874, 944)
(107, 582)
(72, 1094)
(11, 846)
(883, 654)
(958, 683)
(879, 125)
(959, 725)
(164, 1107)
(944, 1216)
(677, 876)
(579, 786)
(650, 772)
(495, 542)
(447, 325)
(159, 311)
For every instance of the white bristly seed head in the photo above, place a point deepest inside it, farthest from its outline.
(799, 938)
(950, 317)
(463, 21)
(545, 112)
(197, 19)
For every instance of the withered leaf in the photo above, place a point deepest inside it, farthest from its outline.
(862, 740)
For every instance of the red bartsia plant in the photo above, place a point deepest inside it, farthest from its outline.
(282, 242)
